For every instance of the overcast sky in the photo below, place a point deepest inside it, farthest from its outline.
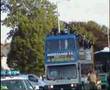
(84, 10)
(78, 10)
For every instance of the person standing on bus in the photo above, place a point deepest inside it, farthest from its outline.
(92, 78)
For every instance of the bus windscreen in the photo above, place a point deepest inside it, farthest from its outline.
(59, 45)
(58, 72)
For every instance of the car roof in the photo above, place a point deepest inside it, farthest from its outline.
(13, 78)
(26, 75)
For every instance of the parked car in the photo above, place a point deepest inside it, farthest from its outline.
(15, 82)
(35, 80)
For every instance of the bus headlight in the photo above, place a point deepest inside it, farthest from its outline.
(51, 86)
(72, 85)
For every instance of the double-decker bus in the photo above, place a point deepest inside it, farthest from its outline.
(61, 62)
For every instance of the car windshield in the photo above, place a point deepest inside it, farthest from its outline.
(16, 85)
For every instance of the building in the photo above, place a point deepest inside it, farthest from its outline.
(5, 48)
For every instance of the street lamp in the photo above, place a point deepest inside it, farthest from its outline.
(58, 21)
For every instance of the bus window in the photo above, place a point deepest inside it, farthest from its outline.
(52, 46)
(58, 45)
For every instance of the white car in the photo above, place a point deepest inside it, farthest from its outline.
(35, 80)
(16, 83)
(12, 80)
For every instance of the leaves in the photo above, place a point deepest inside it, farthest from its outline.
(92, 31)
(32, 24)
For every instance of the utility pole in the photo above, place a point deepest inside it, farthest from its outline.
(108, 33)
(58, 21)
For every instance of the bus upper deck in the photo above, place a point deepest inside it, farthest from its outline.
(61, 48)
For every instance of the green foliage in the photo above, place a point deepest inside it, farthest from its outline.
(81, 28)
(92, 31)
(30, 20)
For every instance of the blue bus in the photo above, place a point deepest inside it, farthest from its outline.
(61, 62)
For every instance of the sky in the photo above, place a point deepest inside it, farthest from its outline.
(76, 10)
(84, 10)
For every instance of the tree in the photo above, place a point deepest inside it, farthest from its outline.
(92, 31)
(30, 20)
